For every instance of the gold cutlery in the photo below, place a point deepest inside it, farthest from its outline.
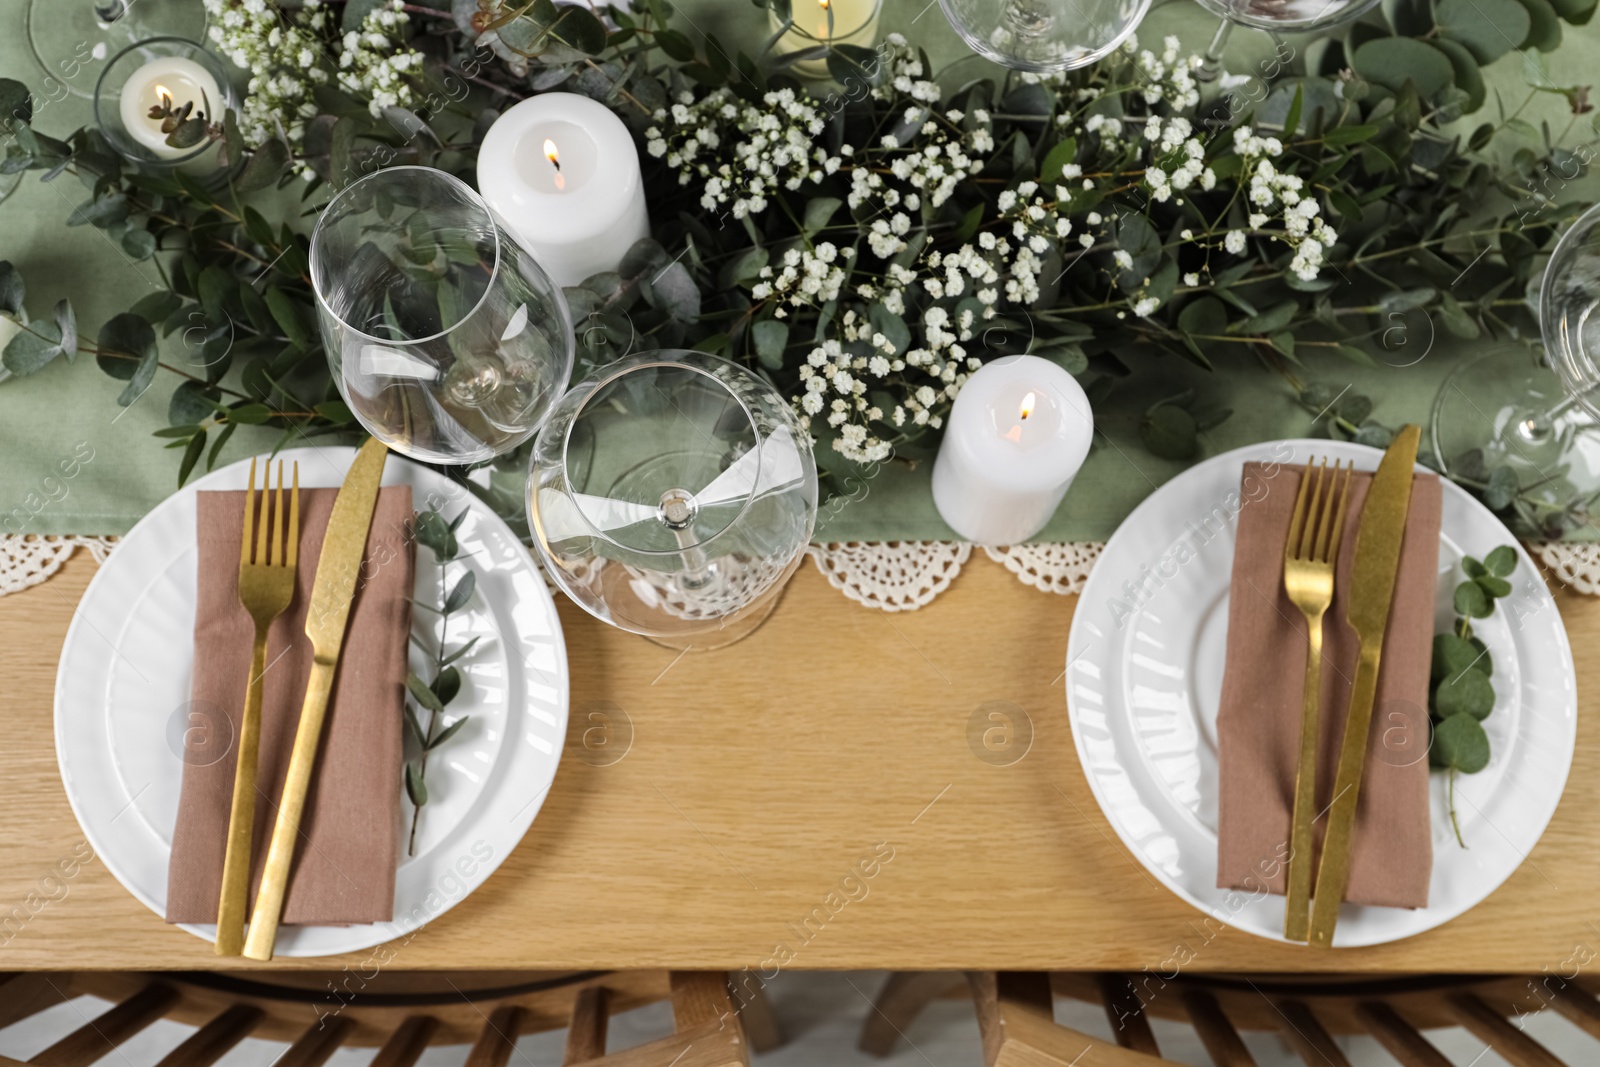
(1310, 555)
(266, 585)
(1377, 561)
(329, 611)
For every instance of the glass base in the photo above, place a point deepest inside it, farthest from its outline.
(737, 629)
(1503, 412)
(72, 39)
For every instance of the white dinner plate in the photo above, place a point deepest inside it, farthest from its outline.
(122, 703)
(1144, 682)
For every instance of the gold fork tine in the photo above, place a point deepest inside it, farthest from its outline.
(1328, 548)
(294, 521)
(266, 513)
(274, 555)
(1295, 521)
(1314, 513)
(249, 517)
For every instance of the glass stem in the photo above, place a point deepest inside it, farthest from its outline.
(1212, 67)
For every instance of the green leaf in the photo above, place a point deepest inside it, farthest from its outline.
(434, 534)
(1544, 33)
(1470, 600)
(127, 346)
(675, 45)
(673, 291)
(157, 306)
(16, 105)
(1056, 159)
(191, 456)
(414, 728)
(1473, 568)
(1169, 432)
(216, 446)
(1291, 122)
(818, 212)
(335, 411)
(12, 291)
(1495, 587)
(1452, 654)
(1466, 692)
(28, 352)
(416, 788)
(1456, 320)
(1501, 562)
(458, 653)
(1343, 135)
(1460, 743)
(1393, 61)
(286, 313)
(1204, 316)
(189, 405)
(267, 164)
(1068, 355)
(447, 733)
(447, 685)
(1488, 28)
(770, 338)
(251, 413)
(1502, 488)
(1270, 321)
(100, 211)
(422, 694)
(461, 592)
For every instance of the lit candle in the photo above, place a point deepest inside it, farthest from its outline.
(563, 173)
(829, 22)
(171, 81)
(1016, 437)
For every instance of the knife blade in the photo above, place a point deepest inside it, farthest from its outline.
(338, 569)
(1372, 577)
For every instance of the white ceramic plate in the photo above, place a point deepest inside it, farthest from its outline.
(122, 704)
(1144, 682)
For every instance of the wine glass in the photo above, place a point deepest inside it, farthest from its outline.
(447, 340)
(1274, 17)
(1044, 36)
(1508, 411)
(672, 494)
(69, 38)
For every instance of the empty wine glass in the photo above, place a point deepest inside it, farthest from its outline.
(672, 494)
(1044, 36)
(71, 38)
(1275, 17)
(1508, 422)
(446, 338)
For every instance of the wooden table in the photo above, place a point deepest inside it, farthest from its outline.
(757, 780)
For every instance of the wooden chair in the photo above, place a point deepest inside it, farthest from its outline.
(400, 1015)
(1016, 1015)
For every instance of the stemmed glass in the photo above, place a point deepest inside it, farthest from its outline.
(69, 37)
(1275, 17)
(1044, 36)
(447, 340)
(1505, 411)
(672, 494)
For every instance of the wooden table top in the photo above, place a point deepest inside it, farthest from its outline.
(824, 763)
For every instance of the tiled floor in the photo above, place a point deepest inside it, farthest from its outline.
(821, 1014)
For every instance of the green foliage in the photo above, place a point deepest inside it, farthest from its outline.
(1463, 695)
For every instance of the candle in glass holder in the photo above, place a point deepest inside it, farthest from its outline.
(563, 172)
(826, 22)
(171, 81)
(1016, 437)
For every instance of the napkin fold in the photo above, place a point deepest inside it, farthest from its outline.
(1258, 725)
(345, 864)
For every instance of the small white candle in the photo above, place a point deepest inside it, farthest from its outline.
(1016, 437)
(174, 81)
(563, 173)
(853, 22)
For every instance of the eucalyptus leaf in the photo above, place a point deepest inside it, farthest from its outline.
(1466, 692)
(416, 788)
(1459, 743)
(770, 338)
(461, 592)
(422, 693)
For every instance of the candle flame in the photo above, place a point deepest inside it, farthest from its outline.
(554, 157)
(1028, 403)
(164, 95)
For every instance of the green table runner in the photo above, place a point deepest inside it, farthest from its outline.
(74, 462)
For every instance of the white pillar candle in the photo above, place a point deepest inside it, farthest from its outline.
(1017, 435)
(853, 22)
(172, 80)
(563, 173)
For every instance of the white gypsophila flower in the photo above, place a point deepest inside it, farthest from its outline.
(1234, 241)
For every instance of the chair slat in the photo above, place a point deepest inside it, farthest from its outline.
(899, 1002)
(699, 997)
(498, 1038)
(1307, 1036)
(1494, 1030)
(408, 1042)
(1216, 1032)
(22, 995)
(1580, 1008)
(1016, 1025)
(319, 1041)
(712, 1044)
(1125, 1013)
(1399, 1037)
(586, 1032)
(94, 1039)
(212, 1041)
(760, 1022)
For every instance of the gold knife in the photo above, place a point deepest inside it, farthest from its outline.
(1377, 560)
(334, 589)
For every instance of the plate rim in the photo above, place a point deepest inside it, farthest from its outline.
(1256, 451)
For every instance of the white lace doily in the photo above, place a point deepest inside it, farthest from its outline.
(887, 575)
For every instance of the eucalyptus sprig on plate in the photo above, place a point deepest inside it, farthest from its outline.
(436, 534)
(1463, 695)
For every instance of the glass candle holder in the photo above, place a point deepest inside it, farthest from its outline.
(447, 339)
(1044, 36)
(672, 494)
(162, 70)
(71, 38)
(822, 24)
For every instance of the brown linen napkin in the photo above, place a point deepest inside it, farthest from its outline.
(1258, 726)
(344, 867)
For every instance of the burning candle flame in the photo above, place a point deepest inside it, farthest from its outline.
(554, 157)
(163, 95)
(1026, 409)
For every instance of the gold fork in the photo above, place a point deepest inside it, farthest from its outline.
(266, 585)
(1309, 556)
